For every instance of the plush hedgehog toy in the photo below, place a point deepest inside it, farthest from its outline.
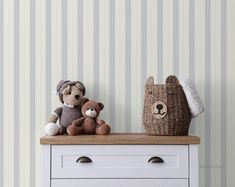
(89, 124)
(71, 96)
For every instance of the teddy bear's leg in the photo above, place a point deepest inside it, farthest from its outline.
(103, 129)
(72, 130)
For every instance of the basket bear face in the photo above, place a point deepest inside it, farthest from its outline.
(166, 110)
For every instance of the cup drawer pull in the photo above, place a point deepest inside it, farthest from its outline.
(156, 159)
(84, 159)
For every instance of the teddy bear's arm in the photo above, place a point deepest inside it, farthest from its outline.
(78, 122)
(55, 115)
(53, 118)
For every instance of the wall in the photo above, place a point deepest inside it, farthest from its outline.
(113, 46)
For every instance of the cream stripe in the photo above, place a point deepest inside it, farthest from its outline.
(1, 93)
(119, 66)
(165, 39)
(88, 27)
(16, 90)
(216, 91)
(40, 97)
(72, 39)
(230, 92)
(184, 38)
(104, 58)
(152, 40)
(136, 113)
(8, 58)
(56, 49)
(149, 37)
(199, 67)
(181, 36)
(24, 93)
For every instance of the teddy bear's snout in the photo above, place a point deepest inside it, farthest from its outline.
(77, 96)
(91, 112)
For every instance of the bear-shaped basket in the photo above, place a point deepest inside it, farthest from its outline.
(166, 111)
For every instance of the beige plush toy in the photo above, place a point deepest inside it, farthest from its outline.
(89, 124)
(71, 96)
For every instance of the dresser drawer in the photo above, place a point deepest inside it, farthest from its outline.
(119, 182)
(119, 161)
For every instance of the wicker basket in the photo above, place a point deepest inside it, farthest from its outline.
(166, 111)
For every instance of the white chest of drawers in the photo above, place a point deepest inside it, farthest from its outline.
(120, 160)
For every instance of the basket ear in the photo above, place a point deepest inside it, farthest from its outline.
(172, 80)
(150, 81)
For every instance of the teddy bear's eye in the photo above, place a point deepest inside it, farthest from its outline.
(69, 93)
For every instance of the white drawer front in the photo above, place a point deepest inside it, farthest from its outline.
(119, 183)
(120, 161)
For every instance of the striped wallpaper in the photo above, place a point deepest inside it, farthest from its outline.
(112, 46)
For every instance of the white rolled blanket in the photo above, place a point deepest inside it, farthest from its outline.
(195, 103)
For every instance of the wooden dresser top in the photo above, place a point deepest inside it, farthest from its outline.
(119, 139)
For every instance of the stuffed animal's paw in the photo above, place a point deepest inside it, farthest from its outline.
(103, 129)
(52, 129)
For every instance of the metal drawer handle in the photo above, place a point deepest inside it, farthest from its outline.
(156, 159)
(84, 159)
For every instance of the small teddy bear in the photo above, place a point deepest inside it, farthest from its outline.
(89, 124)
(71, 96)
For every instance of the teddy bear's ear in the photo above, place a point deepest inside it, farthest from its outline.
(67, 90)
(150, 81)
(84, 100)
(101, 106)
(172, 80)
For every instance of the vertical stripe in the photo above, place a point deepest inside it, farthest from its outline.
(72, 39)
(104, 58)
(208, 92)
(223, 93)
(24, 93)
(64, 39)
(112, 63)
(192, 49)
(40, 82)
(88, 66)
(96, 49)
(143, 47)
(17, 90)
(8, 94)
(160, 41)
(32, 93)
(128, 65)
(48, 57)
(176, 37)
(80, 40)
(1, 92)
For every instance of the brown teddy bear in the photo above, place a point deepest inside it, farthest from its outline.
(71, 96)
(89, 124)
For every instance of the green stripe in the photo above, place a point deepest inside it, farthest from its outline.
(32, 94)
(16, 90)
(64, 40)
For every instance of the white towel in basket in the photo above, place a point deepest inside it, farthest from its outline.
(194, 101)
